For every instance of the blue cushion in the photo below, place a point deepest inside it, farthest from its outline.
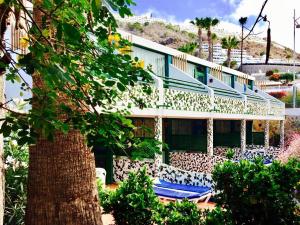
(175, 194)
(183, 187)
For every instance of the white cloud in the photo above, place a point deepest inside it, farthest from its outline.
(279, 12)
(231, 2)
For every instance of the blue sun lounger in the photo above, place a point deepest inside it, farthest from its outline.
(171, 191)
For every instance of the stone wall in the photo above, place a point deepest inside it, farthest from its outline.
(187, 101)
(197, 162)
(178, 176)
(122, 166)
(229, 105)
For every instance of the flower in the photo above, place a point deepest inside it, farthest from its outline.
(9, 160)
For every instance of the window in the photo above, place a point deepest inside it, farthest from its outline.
(226, 78)
(155, 60)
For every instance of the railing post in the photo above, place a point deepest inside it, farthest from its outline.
(269, 106)
(245, 104)
(211, 94)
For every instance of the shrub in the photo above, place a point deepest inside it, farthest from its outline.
(279, 94)
(16, 163)
(254, 194)
(134, 202)
(269, 73)
(275, 77)
(179, 213)
(135, 26)
(217, 216)
(287, 77)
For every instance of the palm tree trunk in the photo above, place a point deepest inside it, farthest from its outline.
(242, 48)
(61, 180)
(209, 45)
(212, 53)
(62, 183)
(200, 42)
(229, 58)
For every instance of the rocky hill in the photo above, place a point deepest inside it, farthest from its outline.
(172, 36)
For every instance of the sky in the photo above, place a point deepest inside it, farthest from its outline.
(279, 12)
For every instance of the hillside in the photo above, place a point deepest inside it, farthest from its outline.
(171, 36)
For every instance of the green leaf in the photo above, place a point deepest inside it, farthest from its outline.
(121, 87)
(110, 83)
(71, 33)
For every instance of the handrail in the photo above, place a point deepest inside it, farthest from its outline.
(254, 97)
(182, 84)
(224, 92)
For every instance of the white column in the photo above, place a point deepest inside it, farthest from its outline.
(281, 130)
(243, 135)
(210, 136)
(267, 134)
(158, 136)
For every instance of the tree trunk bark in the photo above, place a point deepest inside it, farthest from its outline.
(62, 186)
(200, 42)
(242, 48)
(2, 170)
(62, 183)
(209, 45)
(229, 58)
(212, 53)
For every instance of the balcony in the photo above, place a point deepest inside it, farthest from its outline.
(182, 94)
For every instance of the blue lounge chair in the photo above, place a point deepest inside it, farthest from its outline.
(171, 191)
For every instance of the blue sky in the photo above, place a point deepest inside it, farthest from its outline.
(188, 9)
(279, 12)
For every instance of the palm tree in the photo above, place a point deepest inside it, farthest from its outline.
(208, 24)
(229, 43)
(61, 174)
(199, 22)
(214, 38)
(188, 48)
(242, 21)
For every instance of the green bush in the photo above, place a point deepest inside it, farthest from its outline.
(134, 202)
(217, 216)
(179, 213)
(136, 26)
(16, 163)
(255, 194)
